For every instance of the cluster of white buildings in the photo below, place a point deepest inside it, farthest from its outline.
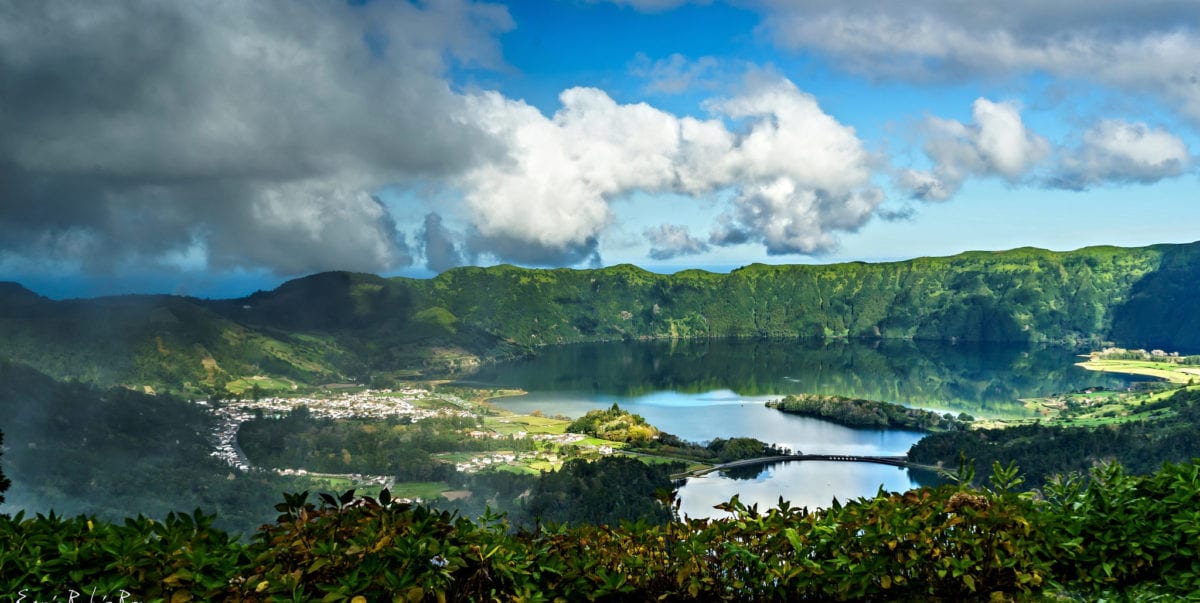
(485, 461)
(358, 478)
(489, 460)
(368, 404)
(224, 437)
(562, 438)
(1159, 355)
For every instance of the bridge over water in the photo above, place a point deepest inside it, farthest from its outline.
(895, 461)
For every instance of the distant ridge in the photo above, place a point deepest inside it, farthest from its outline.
(345, 325)
(13, 291)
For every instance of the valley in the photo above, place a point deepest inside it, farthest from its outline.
(428, 392)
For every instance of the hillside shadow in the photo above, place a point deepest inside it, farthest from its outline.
(1163, 307)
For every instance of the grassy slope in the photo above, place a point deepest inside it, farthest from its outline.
(168, 343)
(1161, 370)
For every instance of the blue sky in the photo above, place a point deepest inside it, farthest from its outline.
(164, 148)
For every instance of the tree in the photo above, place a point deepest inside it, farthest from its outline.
(4, 483)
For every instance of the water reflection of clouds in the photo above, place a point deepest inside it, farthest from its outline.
(701, 417)
(704, 417)
(812, 484)
(984, 380)
(680, 399)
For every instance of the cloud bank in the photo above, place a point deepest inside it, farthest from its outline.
(257, 136)
(670, 240)
(168, 134)
(798, 175)
(1139, 47)
(1115, 151)
(250, 136)
(997, 143)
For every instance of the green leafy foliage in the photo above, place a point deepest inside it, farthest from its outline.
(4, 483)
(735, 449)
(1044, 451)
(116, 452)
(607, 491)
(183, 558)
(616, 425)
(1117, 534)
(395, 447)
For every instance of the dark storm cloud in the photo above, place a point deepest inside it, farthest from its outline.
(726, 234)
(903, 214)
(524, 252)
(440, 244)
(146, 132)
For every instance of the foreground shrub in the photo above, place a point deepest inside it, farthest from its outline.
(1119, 530)
(49, 557)
(1115, 534)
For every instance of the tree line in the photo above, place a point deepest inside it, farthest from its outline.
(854, 412)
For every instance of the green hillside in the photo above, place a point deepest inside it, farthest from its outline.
(344, 326)
(161, 342)
(1018, 295)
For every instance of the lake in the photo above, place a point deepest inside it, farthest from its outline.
(705, 389)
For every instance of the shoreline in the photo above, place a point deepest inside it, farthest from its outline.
(1137, 367)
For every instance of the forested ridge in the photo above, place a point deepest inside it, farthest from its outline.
(854, 412)
(77, 448)
(1164, 431)
(1019, 295)
(336, 326)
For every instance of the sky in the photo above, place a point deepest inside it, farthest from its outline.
(216, 147)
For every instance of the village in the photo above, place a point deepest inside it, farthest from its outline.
(410, 402)
(542, 457)
(366, 404)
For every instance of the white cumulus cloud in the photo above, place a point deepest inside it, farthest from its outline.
(996, 143)
(676, 74)
(799, 175)
(670, 240)
(1120, 151)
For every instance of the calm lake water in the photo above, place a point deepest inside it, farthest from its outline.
(700, 390)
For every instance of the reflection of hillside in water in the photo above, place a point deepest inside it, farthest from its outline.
(975, 377)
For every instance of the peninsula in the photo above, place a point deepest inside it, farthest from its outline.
(853, 412)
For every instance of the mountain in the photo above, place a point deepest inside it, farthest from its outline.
(152, 340)
(338, 326)
(1140, 296)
